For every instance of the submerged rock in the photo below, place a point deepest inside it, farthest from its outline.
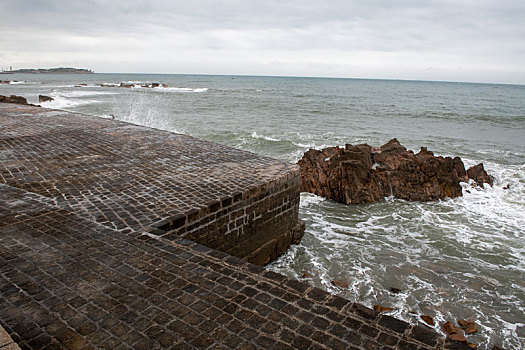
(362, 174)
(382, 309)
(395, 290)
(427, 319)
(449, 328)
(43, 98)
(460, 337)
(468, 326)
(308, 275)
(340, 284)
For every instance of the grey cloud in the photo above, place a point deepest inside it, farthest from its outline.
(481, 31)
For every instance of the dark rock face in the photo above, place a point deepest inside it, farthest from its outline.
(478, 174)
(43, 98)
(13, 99)
(363, 174)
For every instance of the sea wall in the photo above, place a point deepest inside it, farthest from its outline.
(256, 225)
(145, 181)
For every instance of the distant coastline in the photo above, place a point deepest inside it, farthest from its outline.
(61, 70)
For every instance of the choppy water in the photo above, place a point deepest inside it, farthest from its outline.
(453, 259)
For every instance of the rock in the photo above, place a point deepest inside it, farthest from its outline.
(495, 347)
(340, 284)
(449, 328)
(13, 99)
(460, 169)
(307, 275)
(468, 326)
(458, 337)
(478, 174)
(395, 290)
(361, 174)
(472, 345)
(5, 82)
(80, 85)
(428, 319)
(506, 187)
(382, 309)
(43, 98)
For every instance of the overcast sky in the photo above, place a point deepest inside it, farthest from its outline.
(457, 40)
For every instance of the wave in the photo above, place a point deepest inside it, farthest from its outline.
(456, 258)
(81, 93)
(180, 89)
(60, 102)
(267, 138)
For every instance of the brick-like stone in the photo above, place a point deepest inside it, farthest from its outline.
(394, 324)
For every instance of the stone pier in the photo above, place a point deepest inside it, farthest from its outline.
(119, 236)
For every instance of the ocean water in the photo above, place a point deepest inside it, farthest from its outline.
(461, 258)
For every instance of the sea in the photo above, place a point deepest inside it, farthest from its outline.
(461, 258)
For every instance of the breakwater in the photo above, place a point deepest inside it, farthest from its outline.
(95, 220)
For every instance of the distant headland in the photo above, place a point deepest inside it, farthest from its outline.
(61, 70)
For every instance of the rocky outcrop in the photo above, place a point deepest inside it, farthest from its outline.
(43, 98)
(134, 85)
(363, 174)
(479, 175)
(13, 99)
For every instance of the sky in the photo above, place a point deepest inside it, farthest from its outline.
(451, 40)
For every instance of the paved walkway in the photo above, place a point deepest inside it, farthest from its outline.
(74, 279)
(6, 343)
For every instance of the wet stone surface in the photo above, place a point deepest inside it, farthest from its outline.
(77, 272)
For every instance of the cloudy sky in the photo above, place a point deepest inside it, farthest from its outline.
(457, 40)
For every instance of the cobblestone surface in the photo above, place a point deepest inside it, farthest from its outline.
(71, 279)
(6, 343)
(135, 179)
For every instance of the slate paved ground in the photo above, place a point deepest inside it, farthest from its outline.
(71, 280)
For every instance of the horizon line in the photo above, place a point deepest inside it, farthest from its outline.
(292, 76)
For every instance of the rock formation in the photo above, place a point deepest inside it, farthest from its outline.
(13, 99)
(136, 85)
(43, 98)
(363, 174)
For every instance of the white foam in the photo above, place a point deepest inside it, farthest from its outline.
(267, 138)
(180, 89)
(81, 93)
(17, 82)
(60, 102)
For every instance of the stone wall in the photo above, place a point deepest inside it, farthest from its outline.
(257, 225)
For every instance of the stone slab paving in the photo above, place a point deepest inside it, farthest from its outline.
(132, 178)
(6, 343)
(70, 279)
